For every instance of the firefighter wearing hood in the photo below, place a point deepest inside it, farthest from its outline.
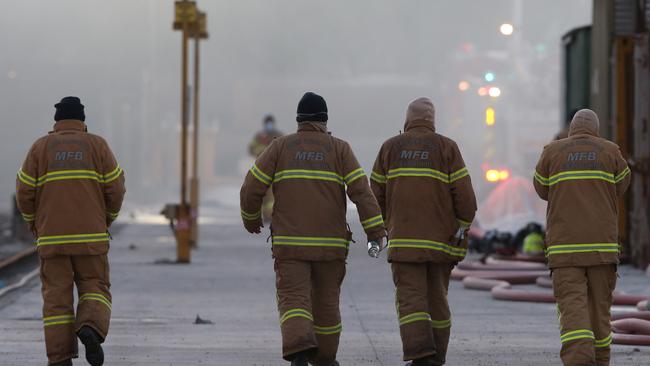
(582, 177)
(310, 172)
(426, 196)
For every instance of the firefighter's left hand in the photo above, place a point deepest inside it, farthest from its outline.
(253, 226)
(460, 237)
(380, 240)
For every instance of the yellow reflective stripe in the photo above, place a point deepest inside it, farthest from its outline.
(605, 342)
(354, 175)
(464, 223)
(96, 297)
(72, 239)
(622, 175)
(69, 174)
(414, 317)
(461, 173)
(28, 217)
(107, 178)
(328, 330)
(113, 215)
(575, 175)
(576, 334)
(251, 216)
(308, 174)
(308, 241)
(577, 172)
(441, 324)
(541, 179)
(295, 313)
(260, 175)
(26, 178)
(427, 244)
(418, 172)
(58, 319)
(372, 222)
(582, 248)
(379, 178)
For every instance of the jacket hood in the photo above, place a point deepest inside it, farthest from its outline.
(585, 122)
(420, 113)
(313, 126)
(69, 124)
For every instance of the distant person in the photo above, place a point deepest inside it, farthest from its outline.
(264, 137)
(529, 240)
(582, 177)
(260, 142)
(426, 196)
(310, 172)
(69, 190)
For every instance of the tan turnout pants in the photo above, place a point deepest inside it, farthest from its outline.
(422, 309)
(308, 304)
(584, 299)
(59, 275)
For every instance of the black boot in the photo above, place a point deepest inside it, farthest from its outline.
(93, 343)
(62, 363)
(335, 363)
(300, 359)
(425, 361)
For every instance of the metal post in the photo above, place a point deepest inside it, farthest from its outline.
(183, 222)
(194, 182)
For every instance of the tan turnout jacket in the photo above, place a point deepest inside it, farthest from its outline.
(310, 171)
(424, 190)
(581, 177)
(69, 189)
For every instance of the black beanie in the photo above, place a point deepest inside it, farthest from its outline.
(312, 107)
(69, 108)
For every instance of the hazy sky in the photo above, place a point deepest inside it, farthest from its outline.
(368, 58)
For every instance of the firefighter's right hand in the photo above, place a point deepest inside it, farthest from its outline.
(254, 226)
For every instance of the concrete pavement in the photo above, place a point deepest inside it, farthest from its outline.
(231, 283)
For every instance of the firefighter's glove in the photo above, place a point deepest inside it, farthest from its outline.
(254, 226)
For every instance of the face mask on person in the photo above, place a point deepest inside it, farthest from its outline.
(269, 126)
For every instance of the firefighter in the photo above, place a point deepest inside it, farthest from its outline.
(310, 172)
(260, 141)
(426, 196)
(582, 177)
(263, 138)
(533, 244)
(69, 191)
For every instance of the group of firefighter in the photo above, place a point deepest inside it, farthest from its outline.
(419, 197)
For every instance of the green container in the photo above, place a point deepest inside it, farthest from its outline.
(576, 71)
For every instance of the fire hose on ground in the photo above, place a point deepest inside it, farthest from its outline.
(499, 275)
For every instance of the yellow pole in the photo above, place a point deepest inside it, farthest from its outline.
(194, 182)
(183, 224)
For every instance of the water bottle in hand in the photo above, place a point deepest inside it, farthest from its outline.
(373, 249)
(460, 236)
